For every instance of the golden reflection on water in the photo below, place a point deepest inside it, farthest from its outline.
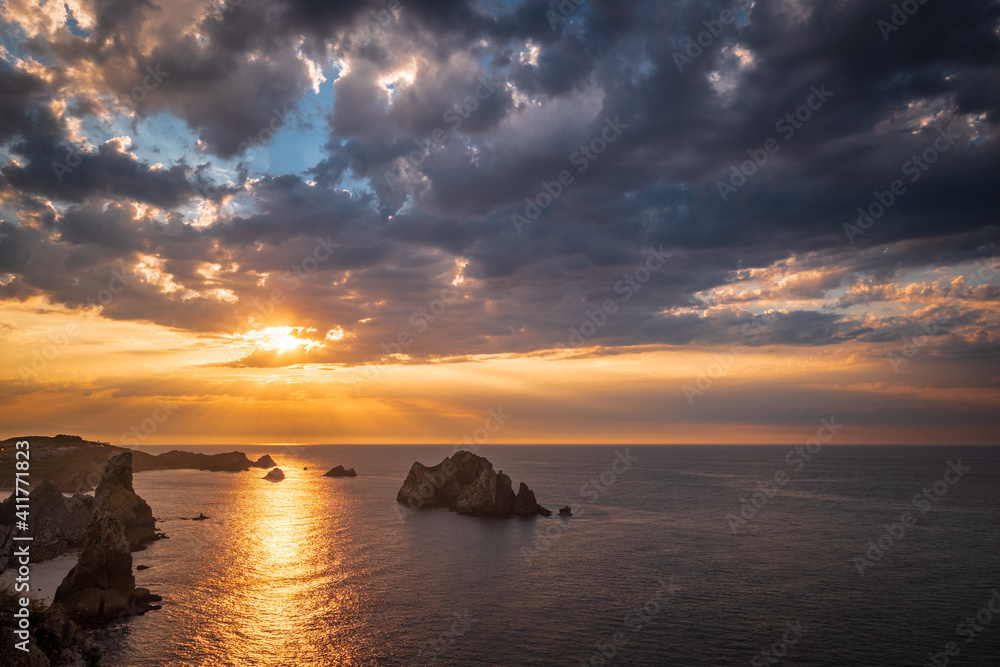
(280, 568)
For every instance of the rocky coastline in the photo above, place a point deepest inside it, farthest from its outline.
(74, 465)
(101, 586)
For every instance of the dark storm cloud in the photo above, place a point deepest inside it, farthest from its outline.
(400, 243)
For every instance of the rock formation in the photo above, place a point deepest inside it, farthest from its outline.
(466, 483)
(100, 585)
(57, 523)
(74, 465)
(264, 462)
(53, 638)
(176, 460)
(340, 471)
(116, 496)
(276, 475)
(566, 511)
(525, 503)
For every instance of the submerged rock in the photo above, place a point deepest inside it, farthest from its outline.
(276, 475)
(466, 483)
(340, 471)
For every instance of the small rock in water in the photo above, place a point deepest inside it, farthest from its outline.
(264, 462)
(275, 475)
(566, 511)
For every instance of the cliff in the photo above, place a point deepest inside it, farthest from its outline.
(178, 460)
(75, 465)
(53, 638)
(100, 587)
(57, 523)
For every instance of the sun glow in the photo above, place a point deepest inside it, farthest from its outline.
(280, 339)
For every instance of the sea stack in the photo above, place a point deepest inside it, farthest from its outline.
(115, 496)
(100, 585)
(264, 462)
(466, 483)
(276, 475)
(525, 503)
(340, 471)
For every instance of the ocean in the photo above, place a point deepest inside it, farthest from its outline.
(675, 555)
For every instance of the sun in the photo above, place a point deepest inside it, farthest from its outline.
(278, 339)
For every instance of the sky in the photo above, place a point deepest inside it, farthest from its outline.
(587, 221)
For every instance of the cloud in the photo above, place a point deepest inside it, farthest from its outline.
(227, 74)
